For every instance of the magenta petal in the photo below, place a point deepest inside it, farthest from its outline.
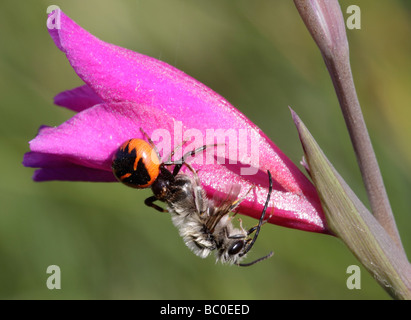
(91, 136)
(39, 160)
(73, 173)
(78, 99)
(118, 74)
(81, 149)
(161, 96)
(286, 208)
(58, 167)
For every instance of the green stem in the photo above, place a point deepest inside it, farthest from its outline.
(325, 22)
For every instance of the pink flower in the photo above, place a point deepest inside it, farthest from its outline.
(124, 91)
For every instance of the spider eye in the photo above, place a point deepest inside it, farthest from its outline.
(236, 248)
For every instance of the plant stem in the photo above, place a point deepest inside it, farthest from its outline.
(340, 72)
(325, 22)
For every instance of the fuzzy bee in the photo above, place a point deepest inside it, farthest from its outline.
(205, 224)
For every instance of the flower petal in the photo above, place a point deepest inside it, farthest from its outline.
(81, 150)
(118, 74)
(91, 136)
(73, 173)
(286, 208)
(78, 99)
(45, 160)
(140, 91)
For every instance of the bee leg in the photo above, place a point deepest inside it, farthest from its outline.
(234, 236)
(200, 196)
(251, 230)
(150, 203)
(241, 226)
(238, 201)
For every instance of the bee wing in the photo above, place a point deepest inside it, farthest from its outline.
(228, 201)
(223, 205)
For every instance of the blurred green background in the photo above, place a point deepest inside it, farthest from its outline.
(259, 56)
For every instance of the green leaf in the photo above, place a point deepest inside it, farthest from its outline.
(350, 220)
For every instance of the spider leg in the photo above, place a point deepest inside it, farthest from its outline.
(150, 203)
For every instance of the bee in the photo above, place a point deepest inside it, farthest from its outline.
(204, 224)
